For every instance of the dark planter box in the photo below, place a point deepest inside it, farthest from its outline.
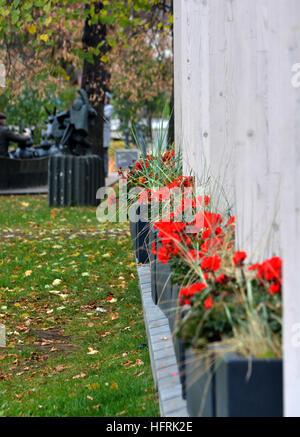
(243, 391)
(175, 314)
(23, 173)
(140, 238)
(199, 385)
(174, 309)
(153, 261)
(163, 286)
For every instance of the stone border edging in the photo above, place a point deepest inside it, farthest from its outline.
(163, 360)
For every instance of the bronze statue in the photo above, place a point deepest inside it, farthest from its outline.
(7, 136)
(70, 128)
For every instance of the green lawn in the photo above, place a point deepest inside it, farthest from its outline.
(76, 343)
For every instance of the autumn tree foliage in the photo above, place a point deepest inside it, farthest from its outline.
(141, 78)
(48, 42)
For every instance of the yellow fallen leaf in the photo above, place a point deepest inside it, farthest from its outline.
(44, 37)
(32, 29)
(114, 386)
(48, 21)
(28, 272)
(94, 386)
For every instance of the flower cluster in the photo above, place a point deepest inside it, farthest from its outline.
(187, 293)
(172, 238)
(198, 241)
(269, 274)
(214, 301)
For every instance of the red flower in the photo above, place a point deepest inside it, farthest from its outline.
(211, 263)
(206, 234)
(112, 200)
(238, 258)
(143, 197)
(270, 271)
(187, 293)
(207, 220)
(184, 293)
(154, 251)
(208, 303)
(163, 255)
(138, 165)
(201, 201)
(221, 279)
(196, 288)
(275, 288)
(253, 267)
(231, 221)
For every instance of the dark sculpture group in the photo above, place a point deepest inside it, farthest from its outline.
(66, 133)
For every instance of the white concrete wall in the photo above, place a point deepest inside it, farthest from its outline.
(191, 82)
(236, 109)
(288, 139)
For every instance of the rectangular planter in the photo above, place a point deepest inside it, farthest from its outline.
(153, 261)
(140, 238)
(163, 286)
(243, 391)
(199, 385)
(174, 315)
(173, 306)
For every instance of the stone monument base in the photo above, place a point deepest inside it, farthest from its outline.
(74, 180)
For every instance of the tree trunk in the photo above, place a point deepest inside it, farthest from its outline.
(171, 129)
(95, 78)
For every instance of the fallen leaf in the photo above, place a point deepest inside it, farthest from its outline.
(94, 386)
(81, 375)
(92, 351)
(122, 412)
(60, 368)
(114, 386)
